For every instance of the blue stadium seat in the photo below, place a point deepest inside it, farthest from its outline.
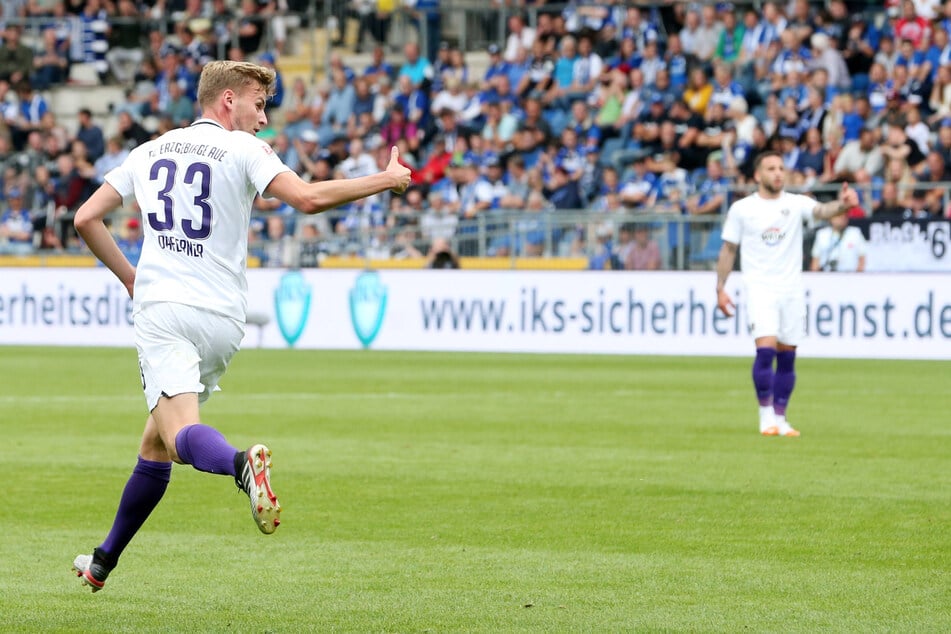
(707, 256)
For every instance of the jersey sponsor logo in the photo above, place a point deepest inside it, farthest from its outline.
(292, 305)
(367, 306)
(773, 236)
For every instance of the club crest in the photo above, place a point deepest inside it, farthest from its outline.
(292, 305)
(367, 306)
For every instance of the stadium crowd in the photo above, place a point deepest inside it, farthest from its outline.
(602, 108)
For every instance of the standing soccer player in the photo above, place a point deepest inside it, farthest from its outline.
(195, 187)
(767, 225)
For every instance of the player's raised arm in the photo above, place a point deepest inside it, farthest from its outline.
(847, 199)
(91, 227)
(312, 198)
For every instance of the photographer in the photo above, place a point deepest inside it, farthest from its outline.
(839, 247)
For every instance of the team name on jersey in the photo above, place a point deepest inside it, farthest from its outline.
(180, 245)
(198, 149)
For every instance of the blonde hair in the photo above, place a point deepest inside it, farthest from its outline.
(219, 76)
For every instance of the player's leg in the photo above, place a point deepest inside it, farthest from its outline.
(211, 342)
(783, 384)
(142, 493)
(762, 318)
(791, 333)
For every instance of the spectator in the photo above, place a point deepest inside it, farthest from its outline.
(897, 145)
(91, 135)
(604, 257)
(812, 158)
(268, 60)
(250, 27)
(180, 108)
(730, 42)
(418, 69)
(860, 156)
(698, 92)
(16, 58)
(131, 131)
(520, 37)
(90, 44)
(30, 112)
(889, 206)
(126, 37)
(911, 26)
(644, 252)
(839, 247)
(339, 106)
(379, 67)
(931, 190)
(441, 255)
(358, 163)
(707, 35)
(16, 226)
(712, 196)
(130, 240)
(114, 154)
(50, 64)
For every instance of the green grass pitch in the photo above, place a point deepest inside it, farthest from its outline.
(489, 493)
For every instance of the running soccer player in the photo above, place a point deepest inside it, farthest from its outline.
(767, 226)
(195, 187)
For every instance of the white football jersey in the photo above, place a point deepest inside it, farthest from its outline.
(769, 232)
(195, 187)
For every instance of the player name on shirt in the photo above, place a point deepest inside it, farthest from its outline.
(200, 149)
(180, 245)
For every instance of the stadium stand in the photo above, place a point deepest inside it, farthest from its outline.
(534, 131)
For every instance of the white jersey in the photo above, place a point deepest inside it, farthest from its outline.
(195, 187)
(769, 232)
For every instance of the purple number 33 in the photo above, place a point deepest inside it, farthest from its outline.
(195, 172)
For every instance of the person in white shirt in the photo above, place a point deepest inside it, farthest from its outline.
(195, 187)
(766, 226)
(839, 247)
(520, 36)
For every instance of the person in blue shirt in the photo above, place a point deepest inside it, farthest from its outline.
(379, 67)
(131, 242)
(497, 65)
(16, 226)
(417, 68)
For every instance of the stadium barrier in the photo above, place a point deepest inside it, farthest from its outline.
(895, 316)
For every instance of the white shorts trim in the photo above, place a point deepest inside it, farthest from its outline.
(183, 349)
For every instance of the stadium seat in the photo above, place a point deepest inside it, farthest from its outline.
(707, 256)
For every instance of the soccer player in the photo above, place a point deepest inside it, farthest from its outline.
(767, 226)
(195, 187)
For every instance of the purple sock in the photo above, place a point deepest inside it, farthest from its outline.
(204, 448)
(785, 380)
(142, 493)
(763, 375)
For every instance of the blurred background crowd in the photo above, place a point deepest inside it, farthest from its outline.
(611, 131)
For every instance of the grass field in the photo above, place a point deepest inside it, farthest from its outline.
(490, 493)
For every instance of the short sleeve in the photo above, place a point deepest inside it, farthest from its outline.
(807, 207)
(263, 163)
(732, 226)
(122, 178)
